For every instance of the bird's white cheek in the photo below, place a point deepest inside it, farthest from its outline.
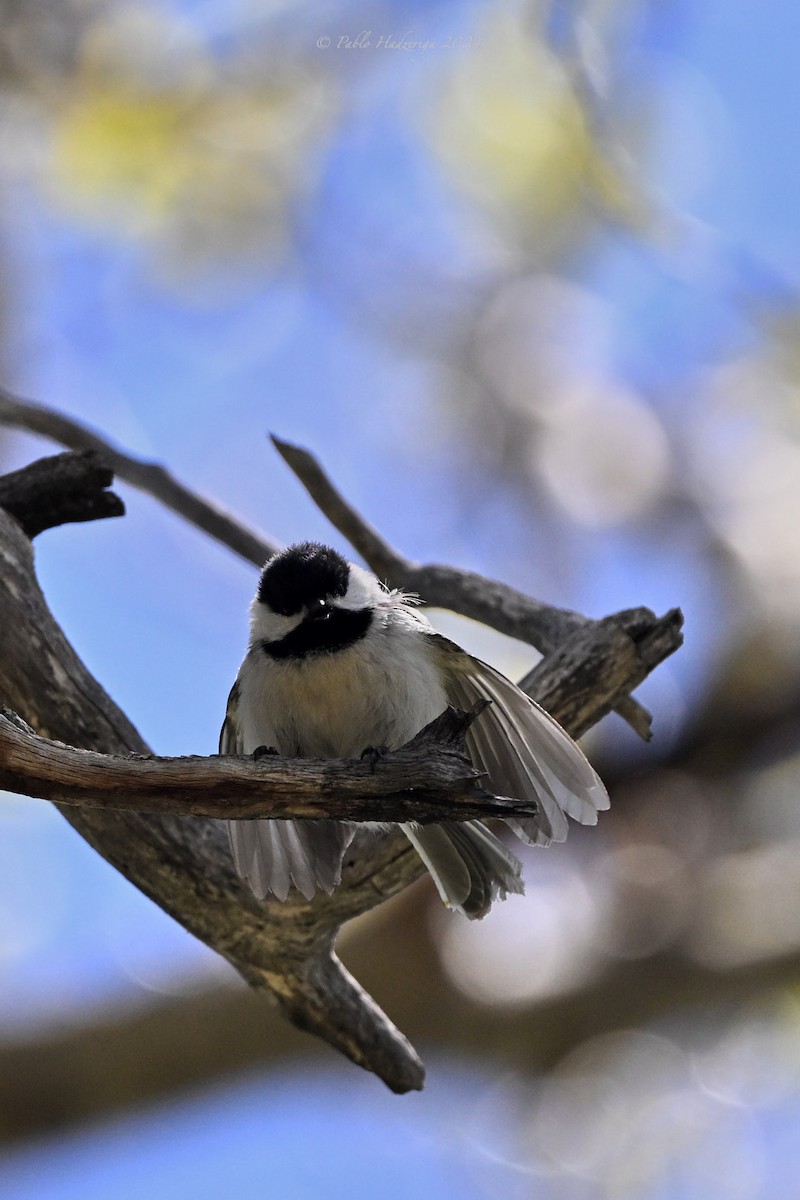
(269, 626)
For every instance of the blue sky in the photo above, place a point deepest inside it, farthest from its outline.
(159, 613)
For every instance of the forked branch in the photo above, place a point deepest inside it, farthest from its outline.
(430, 779)
(183, 863)
(478, 597)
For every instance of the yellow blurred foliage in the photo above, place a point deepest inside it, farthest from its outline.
(151, 138)
(512, 131)
(115, 147)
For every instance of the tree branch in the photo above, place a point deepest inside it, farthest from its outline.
(485, 600)
(184, 864)
(133, 1056)
(58, 490)
(623, 649)
(148, 477)
(429, 779)
(464, 592)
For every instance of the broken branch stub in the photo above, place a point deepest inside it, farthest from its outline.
(183, 863)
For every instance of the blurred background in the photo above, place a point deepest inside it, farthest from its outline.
(526, 277)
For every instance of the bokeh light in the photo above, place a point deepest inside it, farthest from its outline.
(527, 278)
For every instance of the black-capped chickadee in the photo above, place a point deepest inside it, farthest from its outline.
(337, 664)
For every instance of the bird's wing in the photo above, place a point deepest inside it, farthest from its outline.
(523, 750)
(230, 737)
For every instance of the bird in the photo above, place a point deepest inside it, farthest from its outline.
(338, 664)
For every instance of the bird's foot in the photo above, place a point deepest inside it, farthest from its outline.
(374, 754)
(263, 751)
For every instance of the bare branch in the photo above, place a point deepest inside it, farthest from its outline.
(136, 1055)
(621, 650)
(376, 552)
(58, 490)
(184, 864)
(486, 600)
(430, 779)
(148, 477)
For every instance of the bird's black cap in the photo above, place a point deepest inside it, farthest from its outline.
(301, 575)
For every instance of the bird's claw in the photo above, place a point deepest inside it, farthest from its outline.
(374, 754)
(263, 751)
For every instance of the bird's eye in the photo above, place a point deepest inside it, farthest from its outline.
(320, 610)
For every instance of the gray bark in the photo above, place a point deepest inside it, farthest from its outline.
(183, 863)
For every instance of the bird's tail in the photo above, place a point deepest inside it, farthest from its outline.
(274, 855)
(469, 865)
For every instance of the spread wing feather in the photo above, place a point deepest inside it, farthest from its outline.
(524, 751)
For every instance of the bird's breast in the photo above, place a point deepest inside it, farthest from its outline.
(378, 692)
